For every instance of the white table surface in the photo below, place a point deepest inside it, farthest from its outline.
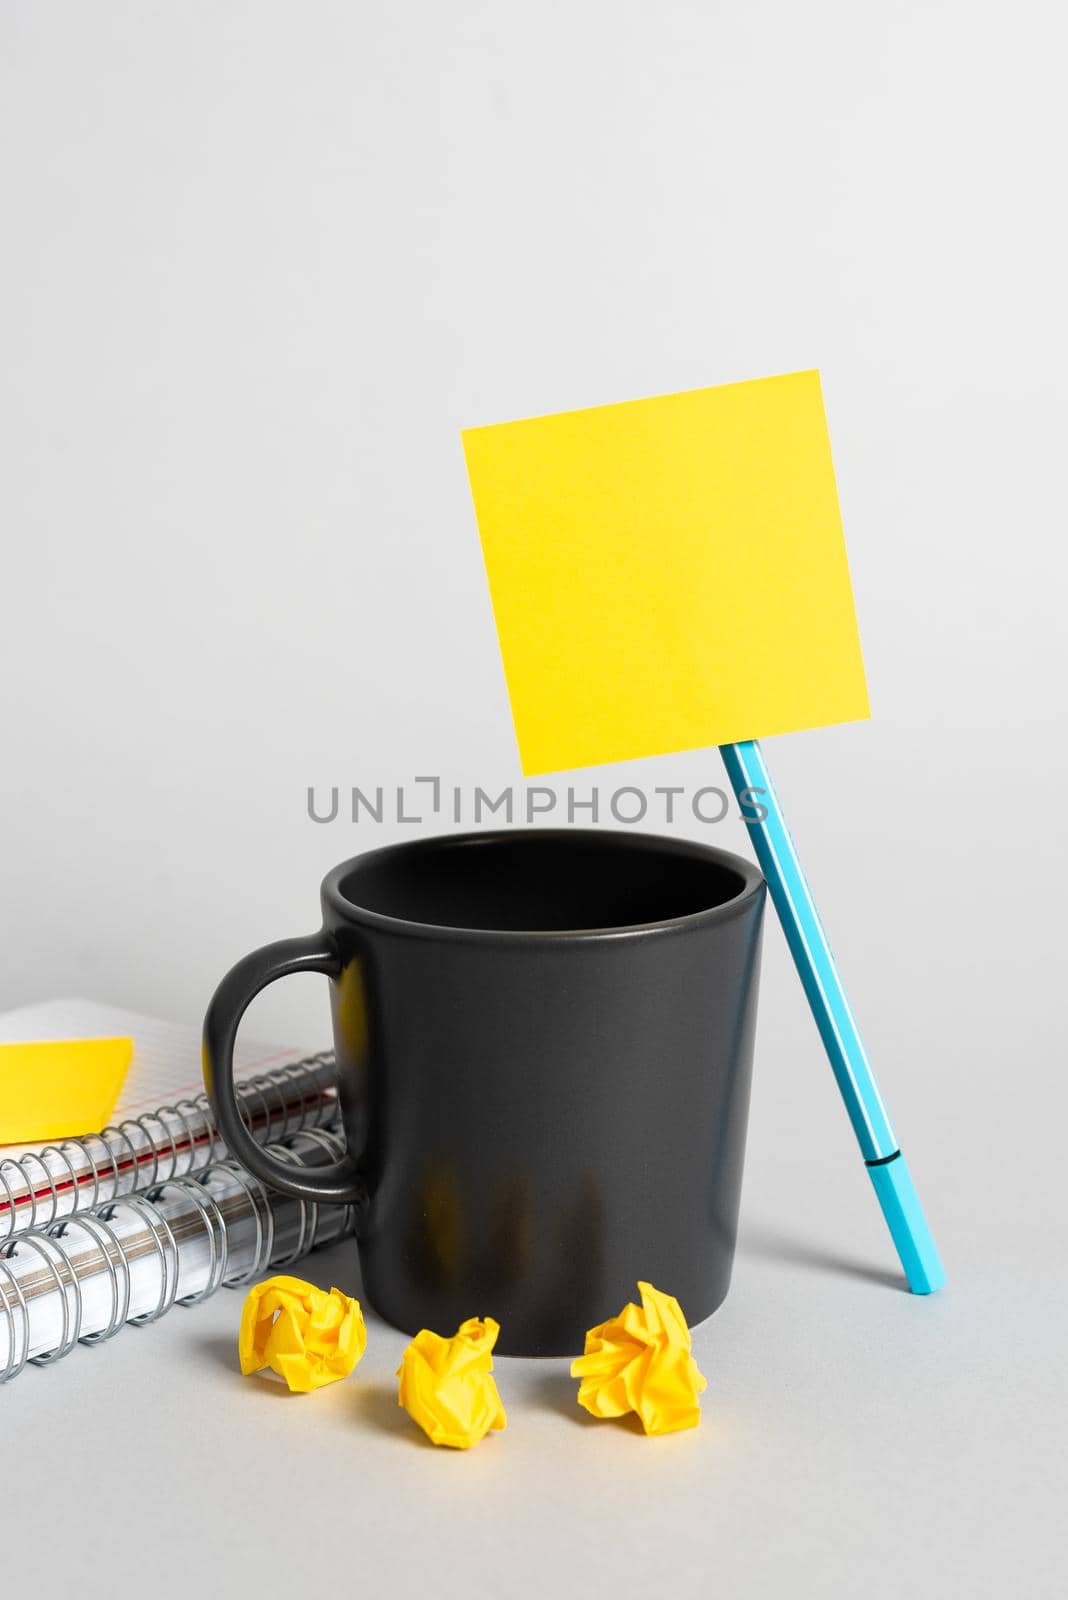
(261, 263)
(855, 1439)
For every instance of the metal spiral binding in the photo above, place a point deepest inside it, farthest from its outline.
(38, 1188)
(173, 1216)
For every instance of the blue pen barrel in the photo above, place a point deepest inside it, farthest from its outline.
(792, 898)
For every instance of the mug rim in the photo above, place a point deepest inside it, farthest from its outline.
(753, 885)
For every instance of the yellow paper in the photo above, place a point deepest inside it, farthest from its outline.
(57, 1088)
(640, 1361)
(668, 574)
(309, 1337)
(445, 1384)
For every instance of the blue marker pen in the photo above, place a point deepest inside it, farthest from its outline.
(815, 963)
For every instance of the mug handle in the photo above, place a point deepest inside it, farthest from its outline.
(338, 1182)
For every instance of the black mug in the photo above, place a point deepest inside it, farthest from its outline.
(544, 1043)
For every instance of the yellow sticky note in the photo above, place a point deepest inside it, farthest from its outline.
(640, 1361)
(308, 1336)
(55, 1088)
(446, 1385)
(668, 574)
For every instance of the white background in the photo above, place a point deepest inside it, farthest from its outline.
(260, 263)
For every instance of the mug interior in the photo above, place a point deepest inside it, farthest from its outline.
(543, 881)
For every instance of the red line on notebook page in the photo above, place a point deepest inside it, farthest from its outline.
(115, 1169)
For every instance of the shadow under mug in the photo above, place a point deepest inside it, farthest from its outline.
(544, 1043)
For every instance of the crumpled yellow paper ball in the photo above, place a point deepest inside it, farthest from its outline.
(640, 1361)
(445, 1384)
(306, 1335)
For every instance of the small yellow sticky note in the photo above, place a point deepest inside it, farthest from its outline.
(640, 1361)
(668, 574)
(56, 1088)
(306, 1335)
(446, 1384)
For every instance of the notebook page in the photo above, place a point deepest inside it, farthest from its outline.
(166, 1057)
(162, 1127)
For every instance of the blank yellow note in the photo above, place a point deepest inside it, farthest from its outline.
(55, 1088)
(668, 574)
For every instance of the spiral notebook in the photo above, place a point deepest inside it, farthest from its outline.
(83, 1277)
(117, 1227)
(163, 1126)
